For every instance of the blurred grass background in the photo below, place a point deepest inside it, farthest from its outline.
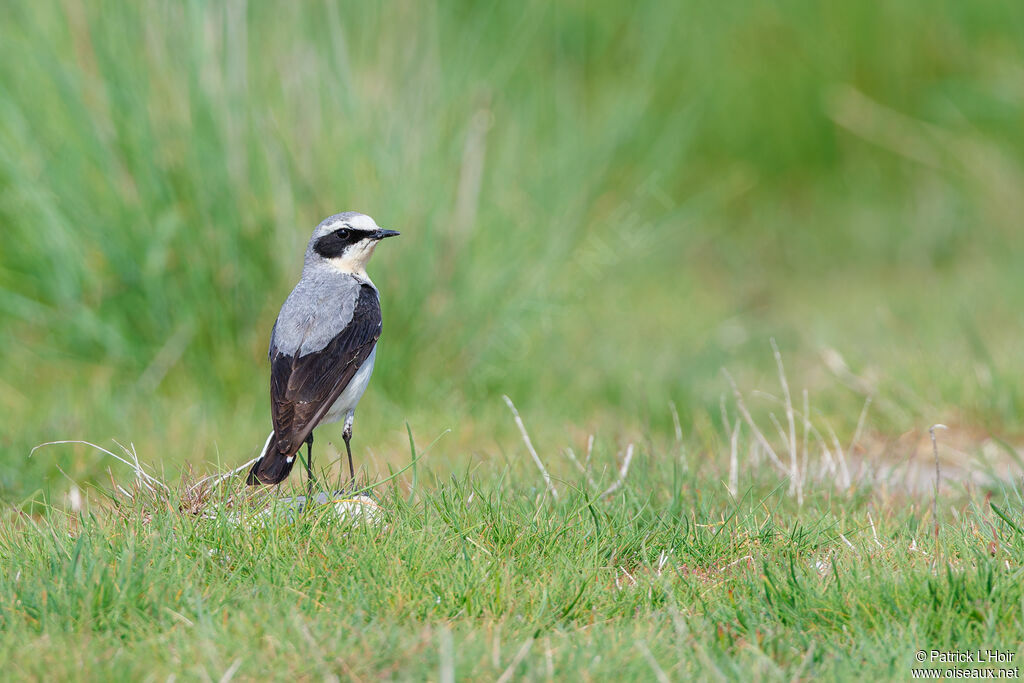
(602, 204)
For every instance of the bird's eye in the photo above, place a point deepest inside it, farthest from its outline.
(343, 233)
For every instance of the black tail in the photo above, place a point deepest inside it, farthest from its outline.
(273, 467)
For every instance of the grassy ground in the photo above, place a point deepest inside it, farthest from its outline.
(603, 205)
(485, 575)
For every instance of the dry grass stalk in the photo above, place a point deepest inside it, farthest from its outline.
(795, 482)
(529, 446)
(623, 471)
(938, 475)
(734, 459)
(742, 406)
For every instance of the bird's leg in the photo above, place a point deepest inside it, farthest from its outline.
(309, 466)
(346, 434)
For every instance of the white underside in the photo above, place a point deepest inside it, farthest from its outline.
(346, 403)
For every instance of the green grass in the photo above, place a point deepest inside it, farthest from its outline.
(468, 572)
(602, 205)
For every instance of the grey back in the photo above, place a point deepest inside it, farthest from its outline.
(316, 311)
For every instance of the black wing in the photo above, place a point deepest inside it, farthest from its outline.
(303, 388)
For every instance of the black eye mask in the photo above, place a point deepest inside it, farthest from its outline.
(335, 244)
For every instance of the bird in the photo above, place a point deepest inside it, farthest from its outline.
(323, 345)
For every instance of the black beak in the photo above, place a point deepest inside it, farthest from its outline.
(381, 234)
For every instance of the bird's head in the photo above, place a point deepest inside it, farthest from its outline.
(345, 242)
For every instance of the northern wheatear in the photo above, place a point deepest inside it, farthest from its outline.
(323, 344)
